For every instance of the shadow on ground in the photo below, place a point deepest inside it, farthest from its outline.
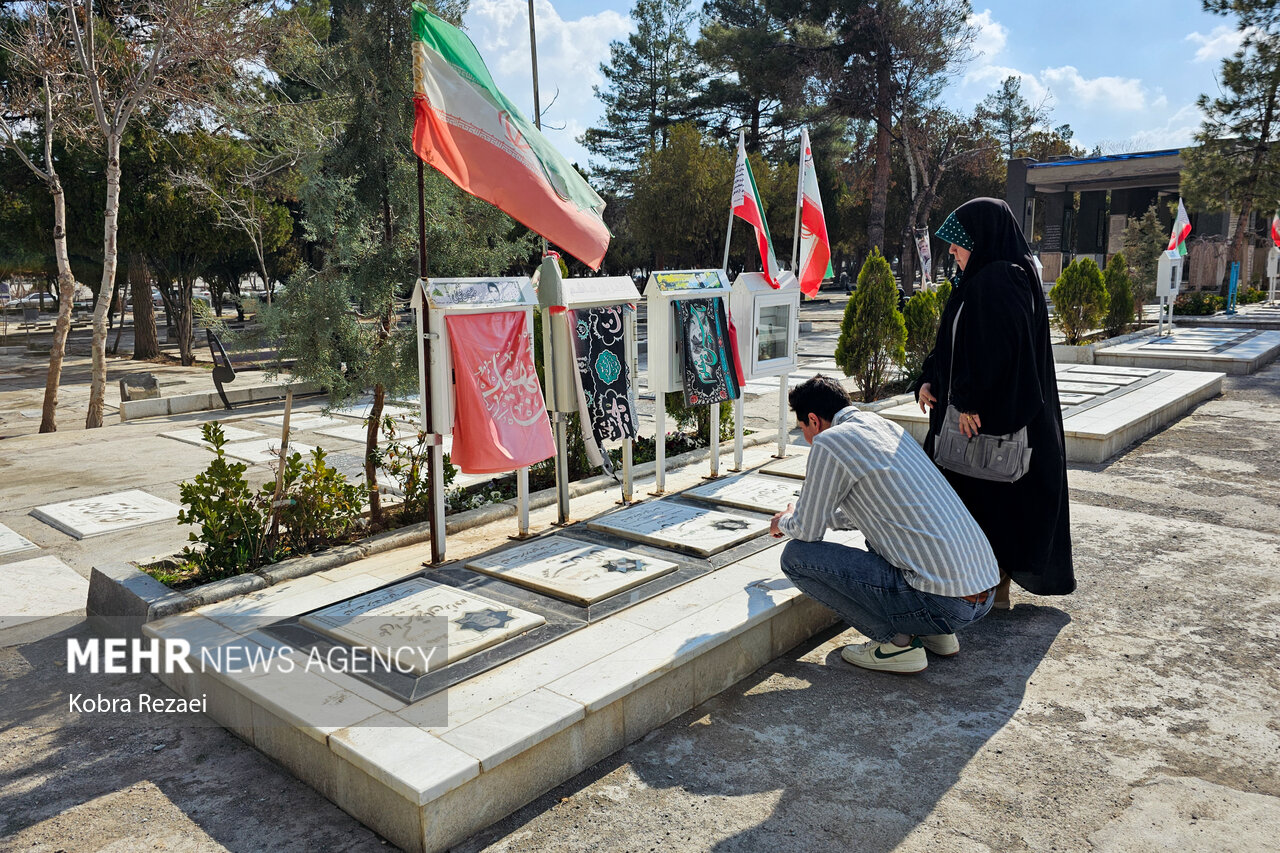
(877, 752)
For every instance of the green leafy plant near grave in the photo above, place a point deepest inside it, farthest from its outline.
(1253, 295)
(1198, 303)
(242, 528)
(1119, 295)
(1080, 299)
(406, 463)
(920, 315)
(872, 334)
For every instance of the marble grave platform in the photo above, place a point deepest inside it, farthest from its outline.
(1105, 408)
(195, 435)
(1229, 350)
(14, 543)
(749, 491)
(264, 450)
(793, 466)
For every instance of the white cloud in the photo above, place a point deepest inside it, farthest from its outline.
(1221, 42)
(1069, 86)
(569, 58)
(991, 35)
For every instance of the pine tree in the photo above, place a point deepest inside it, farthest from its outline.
(1119, 295)
(1010, 118)
(872, 333)
(1079, 298)
(1145, 238)
(651, 81)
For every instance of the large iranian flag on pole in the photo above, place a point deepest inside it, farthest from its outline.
(746, 205)
(815, 247)
(481, 141)
(1275, 229)
(1181, 228)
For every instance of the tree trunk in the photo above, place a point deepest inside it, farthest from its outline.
(66, 295)
(371, 453)
(146, 343)
(98, 384)
(880, 181)
(185, 350)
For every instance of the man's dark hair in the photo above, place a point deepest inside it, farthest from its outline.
(820, 395)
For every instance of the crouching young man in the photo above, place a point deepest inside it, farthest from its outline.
(927, 570)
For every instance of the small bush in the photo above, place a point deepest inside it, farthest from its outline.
(1080, 299)
(1119, 296)
(406, 463)
(920, 316)
(873, 335)
(1198, 303)
(1253, 295)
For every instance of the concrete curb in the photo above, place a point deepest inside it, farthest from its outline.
(181, 404)
(122, 598)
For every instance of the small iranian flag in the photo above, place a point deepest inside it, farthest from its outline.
(1275, 229)
(815, 247)
(478, 139)
(746, 205)
(1181, 228)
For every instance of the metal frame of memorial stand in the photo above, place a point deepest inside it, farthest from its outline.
(1168, 278)
(662, 290)
(556, 296)
(1273, 271)
(436, 298)
(1233, 289)
(751, 293)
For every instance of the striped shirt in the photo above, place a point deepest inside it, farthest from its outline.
(865, 472)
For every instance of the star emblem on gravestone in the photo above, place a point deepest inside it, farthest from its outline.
(624, 565)
(484, 620)
(731, 524)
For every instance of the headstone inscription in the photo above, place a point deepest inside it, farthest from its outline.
(570, 569)
(436, 624)
(683, 528)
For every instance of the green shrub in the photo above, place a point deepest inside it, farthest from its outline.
(698, 418)
(1198, 303)
(943, 292)
(872, 335)
(321, 506)
(1079, 299)
(406, 463)
(920, 316)
(1119, 296)
(1253, 295)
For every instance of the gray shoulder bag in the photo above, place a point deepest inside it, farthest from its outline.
(999, 458)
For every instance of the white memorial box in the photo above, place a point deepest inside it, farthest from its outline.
(1168, 274)
(664, 334)
(106, 513)
(749, 491)
(569, 569)
(555, 294)
(682, 528)
(431, 618)
(768, 324)
(444, 297)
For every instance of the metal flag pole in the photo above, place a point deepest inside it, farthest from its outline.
(435, 454)
(737, 404)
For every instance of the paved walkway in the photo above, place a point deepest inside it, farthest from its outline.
(1137, 714)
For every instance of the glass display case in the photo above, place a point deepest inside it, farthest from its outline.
(768, 323)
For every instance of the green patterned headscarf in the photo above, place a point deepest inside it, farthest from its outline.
(953, 232)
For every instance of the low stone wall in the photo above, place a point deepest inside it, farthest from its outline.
(1084, 354)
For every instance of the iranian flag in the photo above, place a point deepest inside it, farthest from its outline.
(1181, 228)
(481, 141)
(1275, 229)
(746, 205)
(815, 247)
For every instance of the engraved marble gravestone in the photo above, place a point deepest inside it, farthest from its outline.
(749, 491)
(576, 571)
(12, 543)
(423, 615)
(106, 513)
(792, 466)
(684, 528)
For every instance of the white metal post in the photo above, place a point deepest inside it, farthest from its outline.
(522, 501)
(715, 439)
(660, 442)
(783, 413)
(633, 361)
(737, 433)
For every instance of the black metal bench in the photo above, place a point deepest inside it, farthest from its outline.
(225, 364)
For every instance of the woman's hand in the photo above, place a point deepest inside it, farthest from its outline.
(926, 398)
(969, 424)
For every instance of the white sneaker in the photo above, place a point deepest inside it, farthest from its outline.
(942, 645)
(887, 657)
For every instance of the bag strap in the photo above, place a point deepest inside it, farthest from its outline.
(951, 365)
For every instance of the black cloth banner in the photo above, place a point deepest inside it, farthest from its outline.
(705, 355)
(606, 397)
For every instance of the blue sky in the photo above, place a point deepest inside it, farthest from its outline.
(1124, 75)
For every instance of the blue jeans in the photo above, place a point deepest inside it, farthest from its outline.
(872, 595)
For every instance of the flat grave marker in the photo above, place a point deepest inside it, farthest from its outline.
(195, 435)
(682, 528)
(13, 543)
(572, 570)
(106, 513)
(793, 466)
(424, 615)
(749, 491)
(264, 450)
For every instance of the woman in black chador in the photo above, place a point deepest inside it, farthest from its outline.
(1001, 381)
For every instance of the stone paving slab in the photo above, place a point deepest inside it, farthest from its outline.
(107, 513)
(42, 592)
